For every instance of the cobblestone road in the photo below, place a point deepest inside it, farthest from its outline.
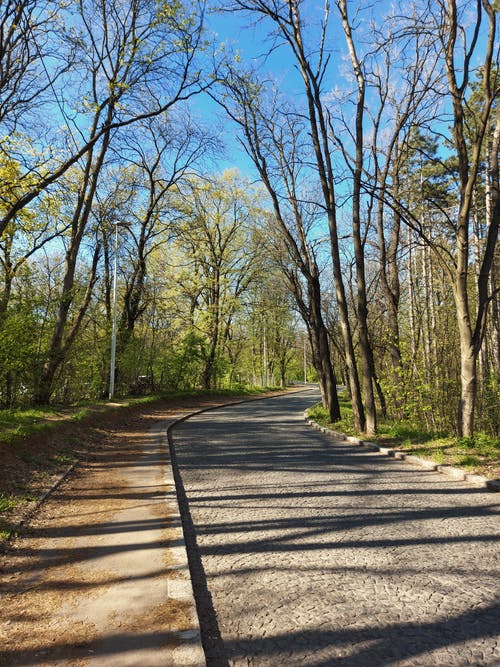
(314, 553)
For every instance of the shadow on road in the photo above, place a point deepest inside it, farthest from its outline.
(270, 504)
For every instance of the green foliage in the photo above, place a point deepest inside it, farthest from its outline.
(488, 417)
(19, 423)
(5, 530)
(436, 453)
(482, 443)
(407, 431)
(468, 461)
(318, 413)
(7, 502)
(62, 459)
(18, 355)
(81, 414)
(186, 365)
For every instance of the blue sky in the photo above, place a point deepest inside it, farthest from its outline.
(241, 31)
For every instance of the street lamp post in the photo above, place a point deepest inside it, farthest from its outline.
(264, 378)
(113, 330)
(305, 360)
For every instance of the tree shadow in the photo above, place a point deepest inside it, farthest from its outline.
(355, 502)
(107, 537)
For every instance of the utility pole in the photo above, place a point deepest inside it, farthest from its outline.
(264, 374)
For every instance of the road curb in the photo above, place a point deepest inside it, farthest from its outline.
(448, 470)
(189, 652)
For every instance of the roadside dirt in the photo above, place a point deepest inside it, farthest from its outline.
(88, 579)
(30, 467)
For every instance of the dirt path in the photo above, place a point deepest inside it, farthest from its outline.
(100, 578)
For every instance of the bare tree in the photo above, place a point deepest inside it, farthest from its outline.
(394, 112)
(365, 350)
(272, 137)
(26, 40)
(124, 63)
(312, 66)
(460, 42)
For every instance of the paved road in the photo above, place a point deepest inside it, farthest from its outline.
(313, 553)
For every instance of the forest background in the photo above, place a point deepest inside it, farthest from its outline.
(353, 233)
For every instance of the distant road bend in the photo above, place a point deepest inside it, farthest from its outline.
(308, 552)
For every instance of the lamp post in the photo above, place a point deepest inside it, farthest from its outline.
(113, 330)
(264, 374)
(305, 360)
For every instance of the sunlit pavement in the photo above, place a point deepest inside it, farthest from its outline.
(310, 552)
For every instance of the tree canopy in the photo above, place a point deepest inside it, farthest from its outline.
(360, 227)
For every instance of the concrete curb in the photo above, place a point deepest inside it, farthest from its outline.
(24, 521)
(189, 652)
(449, 471)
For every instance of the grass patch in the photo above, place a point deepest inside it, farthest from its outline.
(62, 459)
(468, 461)
(18, 424)
(6, 502)
(5, 529)
(479, 453)
(318, 413)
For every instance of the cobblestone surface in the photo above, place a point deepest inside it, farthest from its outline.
(312, 552)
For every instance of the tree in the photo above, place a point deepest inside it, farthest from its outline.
(165, 153)
(312, 65)
(365, 350)
(26, 40)
(459, 48)
(102, 90)
(272, 137)
(216, 238)
(119, 91)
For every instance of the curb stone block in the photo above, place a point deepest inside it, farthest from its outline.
(450, 471)
(429, 465)
(387, 451)
(477, 479)
(455, 473)
(370, 446)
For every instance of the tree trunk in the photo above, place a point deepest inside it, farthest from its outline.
(318, 338)
(58, 349)
(365, 352)
(59, 346)
(328, 383)
(468, 384)
(55, 354)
